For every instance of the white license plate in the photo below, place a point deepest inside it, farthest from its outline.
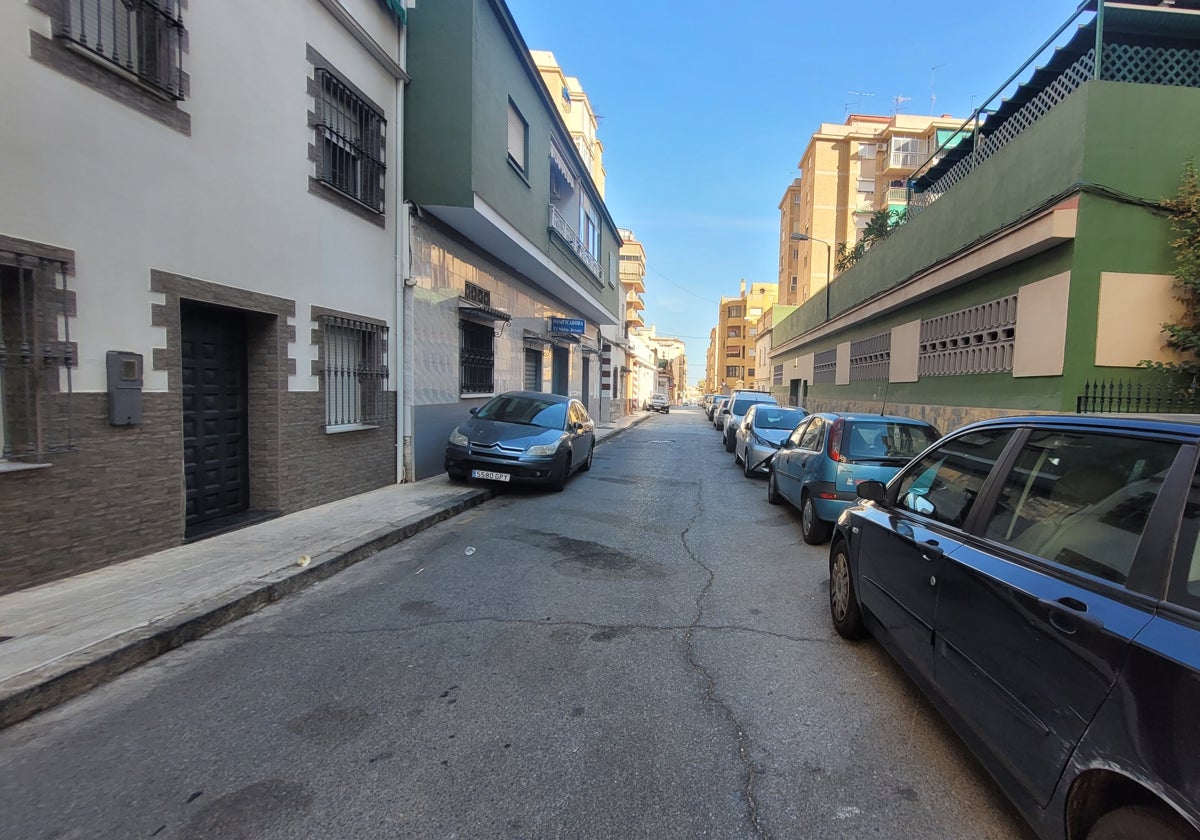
(494, 476)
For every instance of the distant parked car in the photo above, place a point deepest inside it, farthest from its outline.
(819, 467)
(763, 428)
(523, 436)
(1039, 579)
(659, 403)
(715, 411)
(711, 407)
(740, 402)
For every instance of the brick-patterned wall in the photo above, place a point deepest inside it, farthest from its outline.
(317, 467)
(119, 495)
(944, 418)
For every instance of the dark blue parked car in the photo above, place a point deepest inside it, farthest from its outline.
(1039, 578)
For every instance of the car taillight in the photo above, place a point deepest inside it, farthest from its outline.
(835, 440)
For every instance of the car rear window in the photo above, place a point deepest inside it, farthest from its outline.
(866, 440)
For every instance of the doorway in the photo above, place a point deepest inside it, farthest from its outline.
(215, 396)
(560, 370)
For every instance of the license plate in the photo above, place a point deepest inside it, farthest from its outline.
(494, 476)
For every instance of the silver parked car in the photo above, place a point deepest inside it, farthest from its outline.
(763, 428)
(740, 402)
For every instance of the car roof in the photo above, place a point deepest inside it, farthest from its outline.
(538, 395)
(862, 415)
(1180, 424)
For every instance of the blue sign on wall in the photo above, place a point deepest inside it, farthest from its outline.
(573, 326)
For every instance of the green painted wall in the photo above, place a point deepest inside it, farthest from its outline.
(437, 116)
(1107, 136)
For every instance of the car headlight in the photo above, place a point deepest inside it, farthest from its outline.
(457, 438)
(544, 448)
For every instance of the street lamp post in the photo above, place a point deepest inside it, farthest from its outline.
(804, 237)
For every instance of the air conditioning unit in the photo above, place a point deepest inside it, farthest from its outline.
(881, 147)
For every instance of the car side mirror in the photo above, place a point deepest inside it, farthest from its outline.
(577, 427)
(474, 411)
(788, 444)
(872, 491)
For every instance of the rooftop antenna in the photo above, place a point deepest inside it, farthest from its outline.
(898, 102)
(858, 104)
(933, 96)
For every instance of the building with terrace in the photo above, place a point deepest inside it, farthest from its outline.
(1035, 259)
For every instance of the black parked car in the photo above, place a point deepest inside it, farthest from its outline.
(1039, 578)
(524, 436)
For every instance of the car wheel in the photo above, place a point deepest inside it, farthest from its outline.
(587, 463)
(728, 442)
(737, 459)
(1131, 823)
(812, 528)
(746, 465)
(843, 600)
(558, 479)
(773, 495)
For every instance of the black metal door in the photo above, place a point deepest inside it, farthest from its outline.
(215, 451)
(587, 382)
(560, 370)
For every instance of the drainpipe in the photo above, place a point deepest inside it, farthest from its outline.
(403, 315)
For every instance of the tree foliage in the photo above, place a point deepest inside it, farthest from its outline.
(879, 227)
(1184, 336)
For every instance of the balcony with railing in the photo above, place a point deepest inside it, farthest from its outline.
(560, 226)
(1138, 42)
(143, 39)
(634, 301)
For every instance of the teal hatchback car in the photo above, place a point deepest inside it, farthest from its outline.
(819, 467)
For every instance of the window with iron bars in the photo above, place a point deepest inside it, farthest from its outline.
(143, 38)
(35, 366)
(477, 357)
(355, 373)
(352, 142)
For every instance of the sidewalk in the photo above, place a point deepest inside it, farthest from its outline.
(71, 635)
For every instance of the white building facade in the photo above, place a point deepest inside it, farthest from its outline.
(199, 264)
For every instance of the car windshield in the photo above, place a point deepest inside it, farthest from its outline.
(883, 440)
(778, 418)
(528, 411)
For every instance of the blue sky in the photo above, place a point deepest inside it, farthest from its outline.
(706, 108)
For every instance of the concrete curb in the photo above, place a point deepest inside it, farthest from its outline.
(43, 688)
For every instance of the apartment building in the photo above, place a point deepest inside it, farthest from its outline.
(514, 254)
(847, 172)
(736, 338)
(198, 321)
(576, 110)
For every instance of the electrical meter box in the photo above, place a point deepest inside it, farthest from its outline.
(124, 388)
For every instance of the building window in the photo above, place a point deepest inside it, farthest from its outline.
(825, 366)
(777, 375)
(533, 370)
(352, 142)
(518, 137)
(734, 332)
(477, 357)
(355, 373)
(35, 366)
(734, 312)
(733, 371)
(143, 38)
(793, 283)
(733, 352)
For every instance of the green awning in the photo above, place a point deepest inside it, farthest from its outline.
(397, 8)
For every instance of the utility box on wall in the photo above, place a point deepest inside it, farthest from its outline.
(124, 388)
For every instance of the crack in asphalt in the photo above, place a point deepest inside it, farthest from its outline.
(533, 622)
(710, 693)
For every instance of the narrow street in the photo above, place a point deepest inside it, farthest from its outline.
(646, 655)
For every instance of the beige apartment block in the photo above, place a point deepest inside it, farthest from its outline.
(847, 172)
(735, 352)
(576, 110)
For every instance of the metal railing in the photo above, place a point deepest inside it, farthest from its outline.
(560, 225)
(352, 143)
(355, 372)
(1118, 397)
(141, 37)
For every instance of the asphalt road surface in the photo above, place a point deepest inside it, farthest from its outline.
(645, 655)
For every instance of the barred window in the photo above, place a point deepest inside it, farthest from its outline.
(143, 38)
(352, 142)
(35, 394)
(355, 373)
(825, 366)
(777, 375)
(477, 357)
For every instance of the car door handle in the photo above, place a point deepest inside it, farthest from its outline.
(1067, 614)
(930, 550)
